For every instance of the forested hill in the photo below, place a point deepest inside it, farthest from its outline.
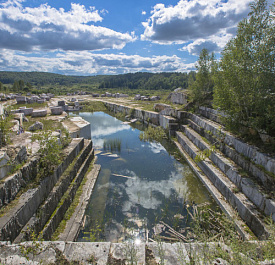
(132, 81)
(41, 78)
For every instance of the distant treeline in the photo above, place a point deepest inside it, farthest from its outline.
(148, 81)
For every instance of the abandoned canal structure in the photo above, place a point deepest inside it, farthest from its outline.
(235, 174)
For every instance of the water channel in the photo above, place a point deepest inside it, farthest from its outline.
(140, 185)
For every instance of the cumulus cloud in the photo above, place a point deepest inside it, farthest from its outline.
(204, 22)
(48, 28)
(87, 63)
(140, 191)
(196, 47)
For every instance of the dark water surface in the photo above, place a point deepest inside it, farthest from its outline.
(140, 185)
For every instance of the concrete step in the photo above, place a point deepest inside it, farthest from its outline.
(246, 185)
(241, 227)
(212, 114)
(249, 151)
(256, 171)
(73, 225)
(45, 210)
(107, 253)
(229, 190)
(18, 215)
(66, 199)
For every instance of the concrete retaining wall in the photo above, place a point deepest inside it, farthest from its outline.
(13, 183)
(245, 149)
(246, 185)
(155, 118)
(12, 223)
(60, 211)
(81, 128)
(38, 221)
(211, 114)
(239, 159)
(245, 208)
(178, 98)
(106, 253)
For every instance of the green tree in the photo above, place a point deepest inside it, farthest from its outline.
(49, 151)
(15, 86)
(245, 84)
(204, 84)
(21, 84)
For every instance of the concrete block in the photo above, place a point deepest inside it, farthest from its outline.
(21, 99)
(39, 113)
(270, 209)
(36, 126)
(127, 253)
(166, 253)
(85, 252)
(4, 164)
(26, 111)
(159, 107)
(56, 110)
(61, 103)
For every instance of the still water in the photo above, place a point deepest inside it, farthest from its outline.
(140, 185)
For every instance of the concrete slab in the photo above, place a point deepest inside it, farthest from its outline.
(166, 253)
(73, 225)
(87, 252)
(127, 253)
(39, 113)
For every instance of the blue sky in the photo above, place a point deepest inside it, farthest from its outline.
(91, 37)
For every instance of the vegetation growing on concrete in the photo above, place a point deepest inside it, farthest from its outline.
(153, 134)
(5, 125)
(72, 207)
(34, 105)
(91, 106)
(210, 226)
(50, 153)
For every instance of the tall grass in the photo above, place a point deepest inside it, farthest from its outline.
(112, 145)
(153, 134)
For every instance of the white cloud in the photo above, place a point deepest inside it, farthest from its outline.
(141, 191)
(143, 13)
(156, 147)
(204, 22)
(87, 63)
(48, 28)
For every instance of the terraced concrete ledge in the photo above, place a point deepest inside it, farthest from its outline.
(74, 224)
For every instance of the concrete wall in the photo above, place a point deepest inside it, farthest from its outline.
(60, 212)
(37, 222)
(82, 128)
(178, 98)
(152, 117)
(245, 149)
(12, 184)
(12, 223)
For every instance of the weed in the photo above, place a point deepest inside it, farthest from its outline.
(94, 234)
(91, 106)
(92, 260)
(161, 253)
(153, 134)
(50, 154)
(132, 112)
(5, 124)
(72, 207)
(33, 249)
(206, 153)
(112, 145)
(130, 253)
